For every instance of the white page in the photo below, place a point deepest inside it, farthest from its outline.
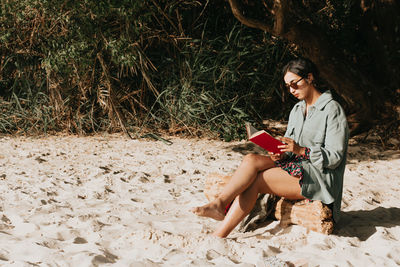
(250, 129)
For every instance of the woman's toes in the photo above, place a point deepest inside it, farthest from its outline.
(210, 211)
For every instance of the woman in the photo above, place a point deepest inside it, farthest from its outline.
(312, 162)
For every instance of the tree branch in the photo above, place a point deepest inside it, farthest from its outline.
(315, 44)
(249, 22)
(281, 11)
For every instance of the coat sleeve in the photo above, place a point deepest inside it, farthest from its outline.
(290, 125)
(333, 149)
(290, 130)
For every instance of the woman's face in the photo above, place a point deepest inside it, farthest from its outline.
(298, 86)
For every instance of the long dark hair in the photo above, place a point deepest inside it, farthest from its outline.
(302, 67)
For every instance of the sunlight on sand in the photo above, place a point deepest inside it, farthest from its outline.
(79, 201)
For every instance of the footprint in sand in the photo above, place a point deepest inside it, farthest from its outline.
(106, 258)
(395, 255)
(4, 255)
(21, 228)
(167, 179)
(80, 240)
(50, 243)
(172, 255)
(212, 254)
(5, 223)
(173, 193)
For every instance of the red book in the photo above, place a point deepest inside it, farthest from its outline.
(263, 139)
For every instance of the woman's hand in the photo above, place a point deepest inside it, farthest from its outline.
(291, 146)
(275, 156)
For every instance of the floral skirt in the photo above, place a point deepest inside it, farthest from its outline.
(293, 166)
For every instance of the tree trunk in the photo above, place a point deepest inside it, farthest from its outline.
(356, 90)
(350, 82)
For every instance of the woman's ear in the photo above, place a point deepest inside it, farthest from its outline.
(310, 78)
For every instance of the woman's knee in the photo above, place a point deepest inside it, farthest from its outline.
(250, 162)
(250, 158)
(255, 161)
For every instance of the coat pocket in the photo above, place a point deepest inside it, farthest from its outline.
(290, 133)
(319, 137)
(316, 137)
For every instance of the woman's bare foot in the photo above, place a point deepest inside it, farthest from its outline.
(214, 210)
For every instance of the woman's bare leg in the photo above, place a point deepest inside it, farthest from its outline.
(273, 181)
(243, 177)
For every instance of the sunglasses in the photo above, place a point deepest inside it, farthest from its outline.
(293, 84)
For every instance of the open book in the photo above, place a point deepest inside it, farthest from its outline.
(263, 139)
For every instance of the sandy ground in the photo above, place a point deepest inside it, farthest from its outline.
(108, 200)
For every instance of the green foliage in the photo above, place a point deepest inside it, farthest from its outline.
(87, 66)
(221, 83)
(24, 115)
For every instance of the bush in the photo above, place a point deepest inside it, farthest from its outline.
(87, 66)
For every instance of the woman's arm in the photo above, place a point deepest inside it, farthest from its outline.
(331, 153)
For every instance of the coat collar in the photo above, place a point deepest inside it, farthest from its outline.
(321, 102)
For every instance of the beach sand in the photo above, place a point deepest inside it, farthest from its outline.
(108, 200)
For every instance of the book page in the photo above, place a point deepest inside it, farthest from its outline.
(263, 139)
(250, 130)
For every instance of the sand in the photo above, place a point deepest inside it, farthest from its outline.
(108, 200)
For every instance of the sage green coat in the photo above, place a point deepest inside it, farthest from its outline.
(325, 131)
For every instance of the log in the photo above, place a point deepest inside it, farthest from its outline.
(313, 215)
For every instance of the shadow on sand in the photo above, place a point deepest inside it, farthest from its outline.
(355, 154)
(363, 223)
(246, 148)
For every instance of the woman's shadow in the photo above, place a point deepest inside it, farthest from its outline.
(363, 223)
